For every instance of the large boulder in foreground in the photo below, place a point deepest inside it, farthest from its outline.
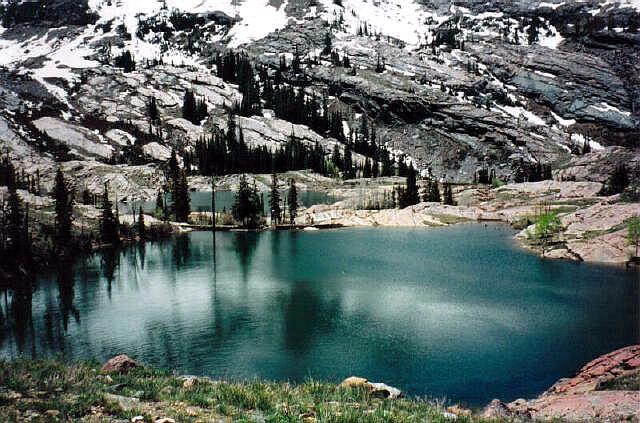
(120, 364)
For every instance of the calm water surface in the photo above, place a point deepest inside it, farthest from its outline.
(456, 312)
(201, 201)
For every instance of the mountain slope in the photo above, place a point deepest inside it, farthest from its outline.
(455, 86)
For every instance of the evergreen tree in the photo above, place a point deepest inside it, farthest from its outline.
(125, 61)
(618, 181)
(174, 169)
(336, 157)
(411, 193)
(403, 169)
(274, 201)
(159, 209)
(246, 208)
(153, 112)
(366, 169)
(109, 225)
(16, 222)
(327, 44)
(448, 195)
(142, 230)
(180, 196)
(434, 192)
(347, 164)
(64, 210)
(379, 65)
(189, 107)
(292, 200)
(532, 32)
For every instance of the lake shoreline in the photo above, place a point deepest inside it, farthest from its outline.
(123, 390)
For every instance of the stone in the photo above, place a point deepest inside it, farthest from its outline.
(496, 410)
(120, 364)
(354, 382)
(137, 419)
(382, 390)
(379, 390)
(126, 403)
(458, 410)
(164, 420)
(190, 382)
(52, 413)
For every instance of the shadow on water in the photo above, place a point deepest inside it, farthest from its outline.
(306, 316)
(110, 260)
(16, 317)
(245, 245)
(67, 295)
(181, 251)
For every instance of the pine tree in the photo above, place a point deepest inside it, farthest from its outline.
(16, 228)
(189, 107)
(173, 166)
(366, 169)
(109, 225)
(379, 65)
(125, 61)
(327, 44)
(246, 206)
(434, 192)
(411, 193)
(347, 164)
(142, 230)
(448, 195)
(532, 32)
(618, 181)
(274, 201)
(180, 196)
(153, 112)
(336, 157)
(292, 199)
(64, 210)
(159, 209)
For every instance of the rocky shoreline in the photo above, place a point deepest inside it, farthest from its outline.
(606, 389)
(593, 226)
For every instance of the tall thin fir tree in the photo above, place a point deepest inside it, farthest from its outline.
(109, 225)
(274, 201)
(64, 211)
(411, 193)
(181, 200)
(142, 229)
(159, 209)
(292, 199)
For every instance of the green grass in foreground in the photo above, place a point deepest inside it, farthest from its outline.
(79, 392)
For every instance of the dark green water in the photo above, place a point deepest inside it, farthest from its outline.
(456, 312)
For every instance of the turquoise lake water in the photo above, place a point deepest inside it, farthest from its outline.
(459, 313)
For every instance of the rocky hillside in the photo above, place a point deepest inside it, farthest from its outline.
(450, 86)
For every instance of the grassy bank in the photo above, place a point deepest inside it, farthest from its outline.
(51, 390)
